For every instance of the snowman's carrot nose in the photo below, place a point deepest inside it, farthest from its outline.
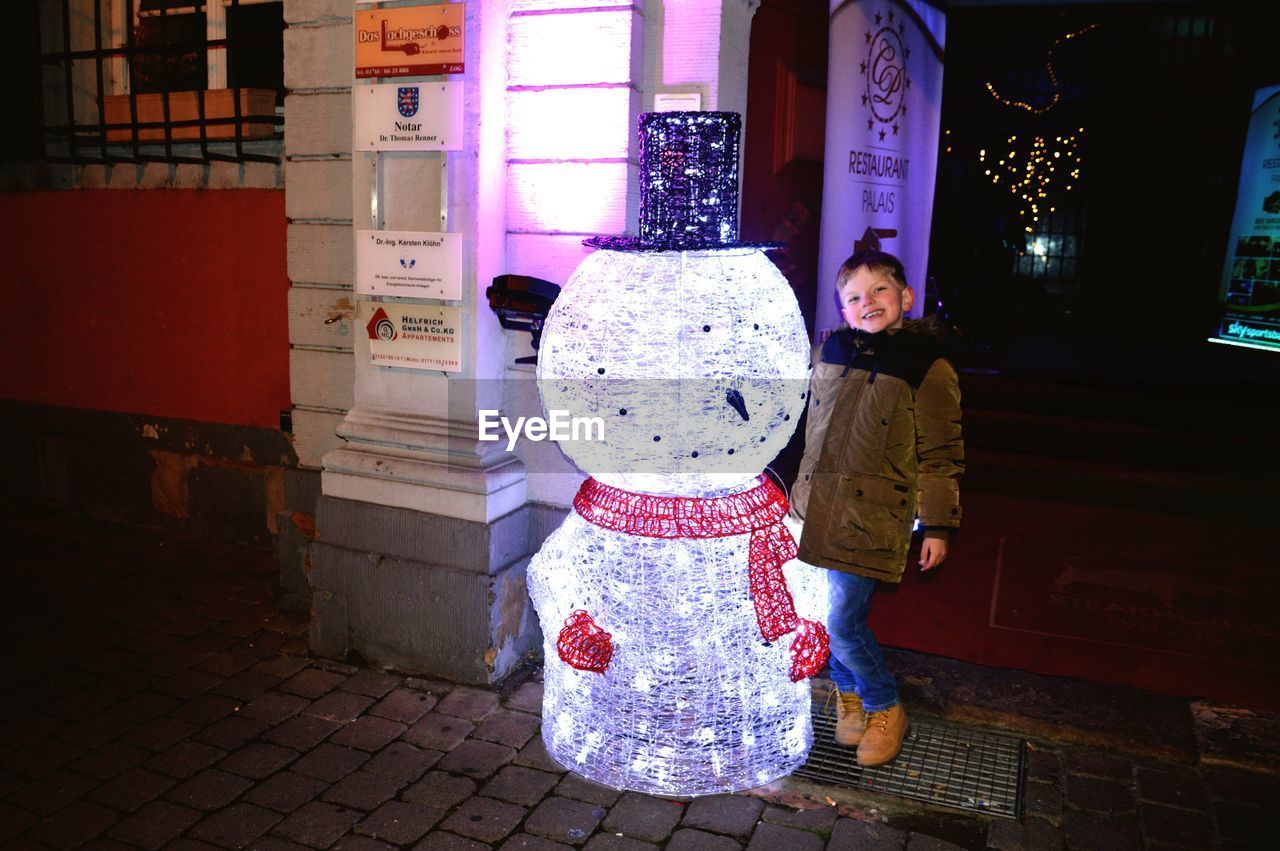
(735, 400)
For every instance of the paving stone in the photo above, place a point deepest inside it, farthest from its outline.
(228, 663)
(282, 667)
(1030, 834)
(363, 790)
(1246, 787)
(444, 841)
(336, 667)
(404, 705)
(689, 839)
(565, 820)
(209, 790)
(436, 688)
(477, 759)
(924, 842)
(470, 703)
(236, 826)
(1176, 826)
(110, 761)
(733, 814)
(70, 827)
(770, 837)
(274, 707)
(1093, 793)
(526, 842)
(145, 706)
(94, 731)
(520, 785)
(401, 822)
(42, 757)
(1099, 832)
(312, 683)
(644, 817)
(10, 783)
(184, 759)
(442, 788)
(581, 789)
(159, 733)
(52, 792)
(820, 820)
(204, 709)
(1179, 790)
(258, 760)
(1243, 822)
(342, 706)
(81, 704)
(1044, 800)
(132, 789)
(355, 842)
(534, 755)
(330, 762)
(154, 825)
(13, 821)
(1098, 763)
(301, 733)
(231, 733)
(286, 791)
(613, 842)
(317, 824)
(246, 687)
(484, 819)
(372, 683)
(438, 732)
(403, 761)
(369, 733)
(509, 728)
(527, 698)
(858, 835)
(1044, 765)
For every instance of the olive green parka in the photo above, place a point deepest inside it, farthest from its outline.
(882, 445)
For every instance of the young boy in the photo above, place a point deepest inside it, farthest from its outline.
(882, 445)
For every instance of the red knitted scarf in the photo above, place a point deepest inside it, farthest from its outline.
(758, 512)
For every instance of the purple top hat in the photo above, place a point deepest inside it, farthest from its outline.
(688, 185)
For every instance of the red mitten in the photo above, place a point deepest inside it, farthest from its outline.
(809, 650)
(585, 646)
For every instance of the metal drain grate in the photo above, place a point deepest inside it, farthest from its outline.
(940, 763)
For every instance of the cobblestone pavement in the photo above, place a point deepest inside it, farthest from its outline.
(157, 698)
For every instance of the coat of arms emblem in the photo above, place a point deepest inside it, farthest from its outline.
(407, 100)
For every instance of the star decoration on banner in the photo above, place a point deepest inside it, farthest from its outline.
(871, 123)
(878, 19)
(895, 129)
(882, 134)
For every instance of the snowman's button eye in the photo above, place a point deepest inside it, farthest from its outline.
(802, 395)
(657, 437)
(600, 370)
(730, 451)
(706, 327)
(622, 411)
(762, 440)
(786, 417)
(756, 326)
(695, 455)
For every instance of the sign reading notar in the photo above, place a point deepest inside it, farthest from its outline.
(409, 40)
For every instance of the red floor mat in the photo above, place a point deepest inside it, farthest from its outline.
(1167, 603)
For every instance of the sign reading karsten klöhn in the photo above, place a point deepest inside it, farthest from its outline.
(409, 40)
(413, 336)
(415, 117)
(409, 263)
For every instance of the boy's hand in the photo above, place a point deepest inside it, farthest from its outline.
(933, 552)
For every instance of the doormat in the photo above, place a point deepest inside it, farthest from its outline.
(940, 763)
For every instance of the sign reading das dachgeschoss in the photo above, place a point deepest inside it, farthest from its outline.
(409, 40)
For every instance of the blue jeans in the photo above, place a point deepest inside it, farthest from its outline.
(857, 664)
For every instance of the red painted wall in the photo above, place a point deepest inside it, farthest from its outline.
(163, 302)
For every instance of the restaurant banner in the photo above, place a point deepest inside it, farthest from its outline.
(408, 41)
(1249, 293)
(884, 98)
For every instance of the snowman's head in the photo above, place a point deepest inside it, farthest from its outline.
(696, 363)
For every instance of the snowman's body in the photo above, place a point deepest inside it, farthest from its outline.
(697, 363)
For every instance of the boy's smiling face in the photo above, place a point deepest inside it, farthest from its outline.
(873, 301)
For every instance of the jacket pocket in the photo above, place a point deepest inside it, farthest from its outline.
(871, 516)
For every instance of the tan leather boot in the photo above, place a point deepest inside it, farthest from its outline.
(851, 719)
(883, 737)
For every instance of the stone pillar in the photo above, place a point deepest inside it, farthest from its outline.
(423, 531)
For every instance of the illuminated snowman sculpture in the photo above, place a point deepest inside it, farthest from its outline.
(679, 630)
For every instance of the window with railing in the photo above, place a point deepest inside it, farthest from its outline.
(159, 80)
